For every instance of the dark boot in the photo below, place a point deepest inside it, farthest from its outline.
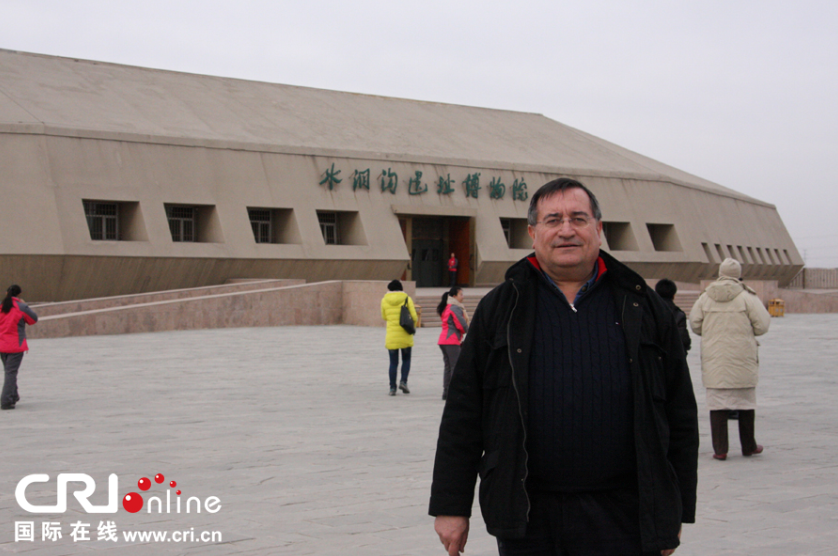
(746, 433)
(718, 432)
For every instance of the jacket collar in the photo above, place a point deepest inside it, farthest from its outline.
(621, 275)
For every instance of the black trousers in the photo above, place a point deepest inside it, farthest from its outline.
(718, 430)
(11, 364)
(580, 524)
(450, 355)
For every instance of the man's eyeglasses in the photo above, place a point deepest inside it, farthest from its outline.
(577, 221)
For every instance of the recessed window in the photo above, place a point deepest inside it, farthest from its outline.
(329, 227)
(194, 223)
(273, 225)
(720, 250)
(515, 232)
(341, 228)
(102, 220)
(114, 220)
(708, 253)
(664, 237)
(763, 259)
(619, 236)
(260, 221)
(182, 223)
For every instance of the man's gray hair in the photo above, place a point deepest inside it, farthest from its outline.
(556, 186)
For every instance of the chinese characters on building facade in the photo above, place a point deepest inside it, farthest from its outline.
(388, 180)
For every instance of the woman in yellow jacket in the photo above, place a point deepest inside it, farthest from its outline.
(397, 337)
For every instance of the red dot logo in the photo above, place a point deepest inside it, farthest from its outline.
(178, 493)
(132, 502)
(173, 484)
(159, 478)
(144, 483)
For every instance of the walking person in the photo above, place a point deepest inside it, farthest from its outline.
(14, 316)
(453, 265)
(728, 316)
(454, 325)
(571, 401)
(667, 289)
(397, 338)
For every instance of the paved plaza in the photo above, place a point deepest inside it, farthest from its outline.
(293, 431)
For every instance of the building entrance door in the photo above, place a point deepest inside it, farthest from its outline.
(431, 241)
(459, 243)
(426, 255)
(427, 262)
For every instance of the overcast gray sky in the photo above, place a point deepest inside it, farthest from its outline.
(741, 92)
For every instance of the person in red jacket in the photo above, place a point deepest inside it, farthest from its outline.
(453, 264)
(454, 325)
(14, 316)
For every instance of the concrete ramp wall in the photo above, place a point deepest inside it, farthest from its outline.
(809, 301)
(82, 305)
(322, 303)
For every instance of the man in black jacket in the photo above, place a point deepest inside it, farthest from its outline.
(572, 401)
(667, 289)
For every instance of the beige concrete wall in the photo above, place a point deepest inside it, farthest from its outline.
(239, 305)
(803, 301)
(310, 304)
(818, 278)
(79, 306)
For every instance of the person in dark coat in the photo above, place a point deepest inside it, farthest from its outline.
(571, 400)
(667, 289)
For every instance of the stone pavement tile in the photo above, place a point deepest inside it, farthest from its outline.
(706, 546)
(784, 548)
(827, 538)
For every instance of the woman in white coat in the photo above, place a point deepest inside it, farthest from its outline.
(728, 316)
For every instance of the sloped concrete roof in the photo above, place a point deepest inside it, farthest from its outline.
(63, 96)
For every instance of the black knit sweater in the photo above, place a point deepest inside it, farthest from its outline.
(580, 403)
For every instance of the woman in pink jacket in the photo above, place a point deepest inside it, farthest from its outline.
(14, 316)
(454, 326)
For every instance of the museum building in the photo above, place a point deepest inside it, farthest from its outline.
(119, 179)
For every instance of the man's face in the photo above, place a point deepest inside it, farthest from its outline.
(566, 251)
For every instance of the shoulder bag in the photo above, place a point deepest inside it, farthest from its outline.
(406, 319)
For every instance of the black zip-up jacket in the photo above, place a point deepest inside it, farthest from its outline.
(483, 429)
(680, 323)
